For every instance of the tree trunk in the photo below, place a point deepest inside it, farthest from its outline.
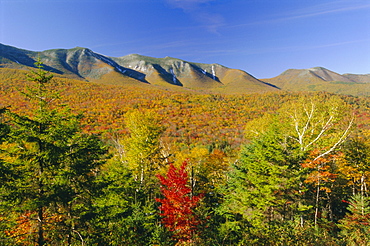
(40, 226)
(317, 201)
(362, 194)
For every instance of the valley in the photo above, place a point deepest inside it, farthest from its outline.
(111, 145)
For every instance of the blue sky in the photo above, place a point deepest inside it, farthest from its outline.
(262, 37)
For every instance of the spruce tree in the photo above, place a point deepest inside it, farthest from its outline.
(4, 129)
(261, 182)
(127, 206)
(54, 165)
(355, 225)
(267, 187)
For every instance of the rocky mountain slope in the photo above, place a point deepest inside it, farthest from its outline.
(322, 79)
(175, 74)
(83, 63)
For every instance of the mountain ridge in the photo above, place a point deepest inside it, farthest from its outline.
(322, 79)
(85, 64)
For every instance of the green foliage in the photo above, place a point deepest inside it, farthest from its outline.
(127, 212)
(265, 189)
(4, 130)
(126, 206)
(281, 181)
(356, 224)
(354, 168)
(262, 184)
(54, 166)
(312, 122)
(142, 148)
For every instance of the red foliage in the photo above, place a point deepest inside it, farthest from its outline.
(178, 204)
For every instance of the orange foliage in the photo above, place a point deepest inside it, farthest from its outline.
(322, 168)
(26, 227)
(188, 117)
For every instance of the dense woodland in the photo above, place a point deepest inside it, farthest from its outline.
(96, 164)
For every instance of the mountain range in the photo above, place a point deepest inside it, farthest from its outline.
(172, 73)
(322, 79)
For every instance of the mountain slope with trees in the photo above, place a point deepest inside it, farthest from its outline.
(83, 63)
(322, 79)
(174, 74)
(83, 163)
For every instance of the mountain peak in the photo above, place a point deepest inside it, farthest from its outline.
(321, 79)
(67, 50)
(317, 68)
(83, 63)
(167, 72)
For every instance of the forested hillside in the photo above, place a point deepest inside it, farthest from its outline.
(84, 163)
(179, 75)
(187, 116)
(170, 73)
(322, 79)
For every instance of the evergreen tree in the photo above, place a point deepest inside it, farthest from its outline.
(55, 166)
(263, 186)
(356, 224)
(126, 214)
(5, 176)
(127, 207)
(4, 130)
(266, 186)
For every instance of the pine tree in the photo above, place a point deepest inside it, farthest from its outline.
(356, 224)
(126, 214)
(4, 130)
(55, 166)
(266, 186)
(5, 176)
(127, 206)
(263, 181)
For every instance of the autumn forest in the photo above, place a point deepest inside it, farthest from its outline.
(85, 163)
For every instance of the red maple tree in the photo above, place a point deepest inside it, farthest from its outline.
(177, 206)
